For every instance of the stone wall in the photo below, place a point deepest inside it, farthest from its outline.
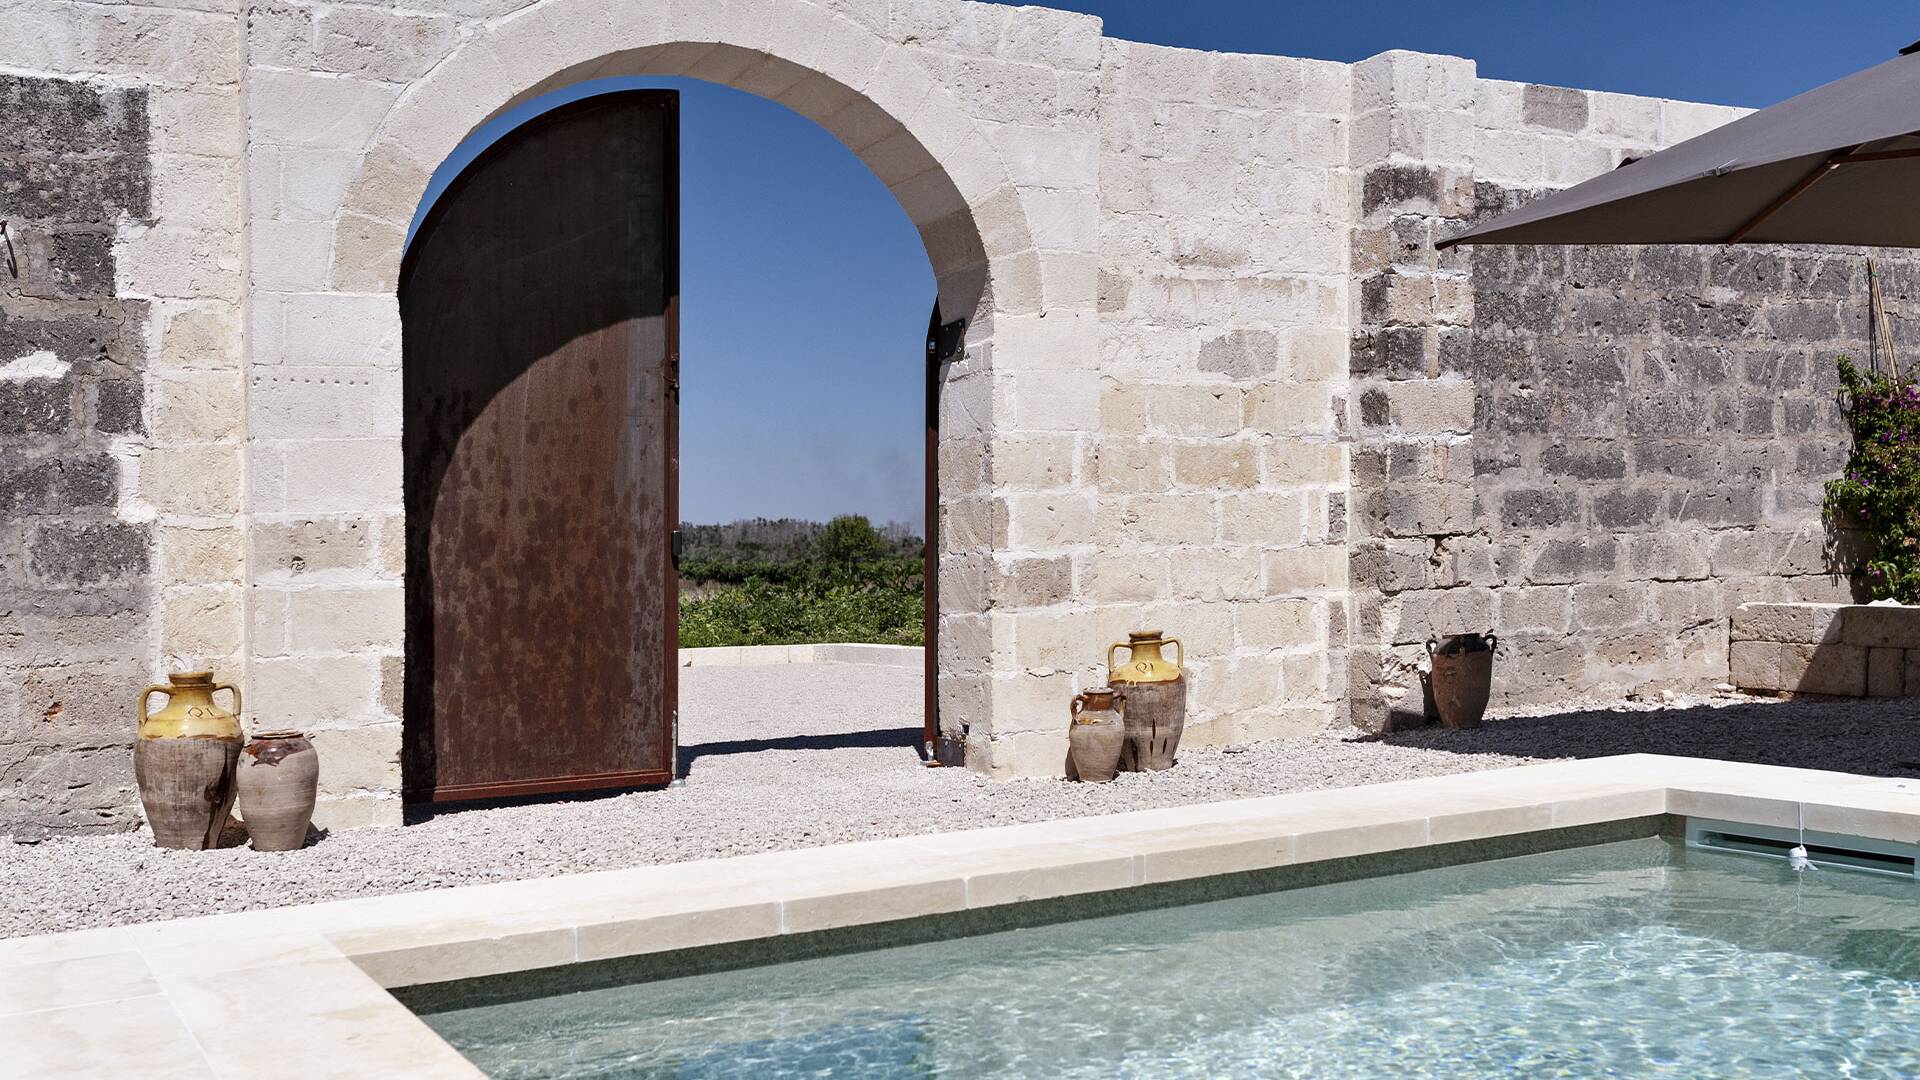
(1653, 429)
(76, 575)
(1843, 650)
(1219, 457)
(1216, 380)
(1597, 452)
(119, 388)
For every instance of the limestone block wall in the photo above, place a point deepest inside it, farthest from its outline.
(120, 541)
(1845, 650)
(1219, 456)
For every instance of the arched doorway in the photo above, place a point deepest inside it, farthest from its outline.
(934, 150)
(521, 218)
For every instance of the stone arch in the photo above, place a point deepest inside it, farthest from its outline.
(871, 93)
(879, 101)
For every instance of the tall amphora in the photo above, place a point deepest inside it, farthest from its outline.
(1156, 693)
(184, 761)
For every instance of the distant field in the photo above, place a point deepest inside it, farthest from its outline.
(789, 582)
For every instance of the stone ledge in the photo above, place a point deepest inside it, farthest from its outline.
(1845, 650)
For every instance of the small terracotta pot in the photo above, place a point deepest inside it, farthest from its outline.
(1097, 733)
(1461, 680)
(279, 778)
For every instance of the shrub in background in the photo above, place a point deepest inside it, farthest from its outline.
(1879, 491)
(852, 584)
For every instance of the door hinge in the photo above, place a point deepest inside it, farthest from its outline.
(674, 762)
(675, 545)
(945, 341)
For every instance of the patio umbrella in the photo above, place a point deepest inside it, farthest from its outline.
(1839, 164)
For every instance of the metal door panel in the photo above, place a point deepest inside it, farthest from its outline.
(539, 303)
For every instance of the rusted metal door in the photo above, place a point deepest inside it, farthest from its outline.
(540, 303)
(944, 343)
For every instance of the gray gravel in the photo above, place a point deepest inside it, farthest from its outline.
(835, 763)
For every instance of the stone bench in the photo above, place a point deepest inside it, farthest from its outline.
(1848, 650)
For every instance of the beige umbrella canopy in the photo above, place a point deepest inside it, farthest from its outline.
(1839, 164)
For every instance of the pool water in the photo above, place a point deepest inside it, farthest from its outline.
(1639, 959)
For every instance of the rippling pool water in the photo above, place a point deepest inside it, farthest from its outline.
(1631, 959)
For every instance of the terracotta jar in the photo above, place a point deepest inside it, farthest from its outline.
(184, 761)
(1098, 733)
(1461, 678)
(278, 780)
(1156, 693)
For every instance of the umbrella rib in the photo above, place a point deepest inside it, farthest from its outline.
(1832, 162)
(1877, 155)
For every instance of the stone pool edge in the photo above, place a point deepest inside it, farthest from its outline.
(189, 997)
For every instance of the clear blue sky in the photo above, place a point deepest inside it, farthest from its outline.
(805, 291)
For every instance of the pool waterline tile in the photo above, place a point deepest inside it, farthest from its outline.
(354, 947)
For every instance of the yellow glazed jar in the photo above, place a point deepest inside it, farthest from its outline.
(190, 711)
(1146, 663)
(1156, 694)
(184, 761)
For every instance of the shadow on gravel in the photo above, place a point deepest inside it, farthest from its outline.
(1869, 737)
(904, 738)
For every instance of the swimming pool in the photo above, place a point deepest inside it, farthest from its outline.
(1637, 958)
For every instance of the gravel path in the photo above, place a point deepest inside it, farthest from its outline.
(839, 766)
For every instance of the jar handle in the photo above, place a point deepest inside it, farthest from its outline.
(1120, 703)
(1110, 651)
(141, 705)
(1179, 661)
(217, 687)
(1074, 707)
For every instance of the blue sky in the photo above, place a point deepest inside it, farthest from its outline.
(805, 290)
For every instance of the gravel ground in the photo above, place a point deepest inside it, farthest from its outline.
(838, 764)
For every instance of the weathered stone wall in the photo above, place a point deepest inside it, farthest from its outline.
(119, 388)
(75, 574)
(1630, 441)
(1653, 430)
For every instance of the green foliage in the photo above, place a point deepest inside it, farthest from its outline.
(854, 584)
(1880, 490)
(763, 612)
(849, 539)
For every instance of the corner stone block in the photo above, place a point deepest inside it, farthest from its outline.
(1886, 674)
(1840, 670)
(358, 760)
(191, 480)
(342, 475)
(1881, 626)
(1813, 624)
(1755, 665)
(356, 812)
(315, 691)
(346, 619)
(290, 109)
(1028, 754)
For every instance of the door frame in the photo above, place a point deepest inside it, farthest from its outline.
(668, 569)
